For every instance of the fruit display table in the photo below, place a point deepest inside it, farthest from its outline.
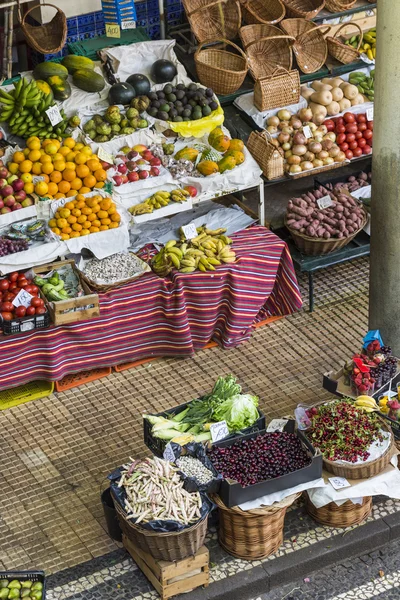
(164, 317)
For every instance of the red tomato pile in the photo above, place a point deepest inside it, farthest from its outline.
(9, 288)
(353, 134)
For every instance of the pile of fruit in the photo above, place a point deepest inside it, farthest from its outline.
(364, 83)
(368, 44)
(12, 193)
(113, 123)
(80, 67)
(10, 287)
(83, 216)
(31, 590)
(181, 103)
(204, 252)
(331, 96)
(135, 163)
(158, 200)
(55, 170)
(370, 369)
(24, 109)
(53, 287)
(354, 134)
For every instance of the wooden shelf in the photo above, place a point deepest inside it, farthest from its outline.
(360, 6)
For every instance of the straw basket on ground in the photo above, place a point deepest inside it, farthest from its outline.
(342, 516)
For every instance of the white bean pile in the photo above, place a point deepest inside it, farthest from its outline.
(116, 267)
(193, 467)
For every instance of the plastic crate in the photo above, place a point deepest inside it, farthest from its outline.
(147, 9)
(154, 31)
(26, 576)
(90, 47)
(27, 392)
(77, 379)
(25, 324)
(116, 11)
(131, 365)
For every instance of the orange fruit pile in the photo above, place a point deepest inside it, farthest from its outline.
(66, 168)
(82, 216)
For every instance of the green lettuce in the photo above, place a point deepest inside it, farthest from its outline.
(239, 412)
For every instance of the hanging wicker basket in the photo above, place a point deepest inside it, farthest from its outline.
(267, 156)
(266, 49)
(343, 53)
(267, 12)
(310, 47)
(305, 9)
(281, 88)
(339, 5)
(221, 70)
(346, 515)
(46, 39)
(252, 534)
(214, 20)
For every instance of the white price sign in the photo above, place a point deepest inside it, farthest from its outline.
(325, 202)
(23, 298)
(370, 114)
(54, 115)
(307, 132)
(338, 483)
(106, 156)
(37, 178)
(219, 431)
(276, 425)
(168, 453)
(189, 231)
(128, 25)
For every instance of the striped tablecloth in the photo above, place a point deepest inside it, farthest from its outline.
(164, 317)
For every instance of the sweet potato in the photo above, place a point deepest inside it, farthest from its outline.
(310, 231)
(320, 231)
(302, 230)
(299, 211)
(326, 235)
(341, 225)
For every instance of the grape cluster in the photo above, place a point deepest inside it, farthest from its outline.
(386, 350)
(12, 246)
(385, 371)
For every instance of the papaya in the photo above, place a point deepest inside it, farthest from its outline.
(237, 155)
(226, 164)
(236, 145)
(61, 88)
(221, 143)
(88, 80)
(45, 88)
(207, 167)
(214, 134)
(45, 70)
(72, 62)
(187, 154)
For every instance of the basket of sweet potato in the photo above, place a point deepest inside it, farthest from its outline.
(321, 222)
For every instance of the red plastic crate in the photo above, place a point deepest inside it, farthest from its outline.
(77, 379)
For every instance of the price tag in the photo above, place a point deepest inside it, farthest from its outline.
(113, 30)
(43, 210)
(276, 425)
(370, 114)
(54, 115)
(369, 13)
(128, 25)
(219, 431)
(307, 132)
(23, 298)
(325, 202)
(106, 156)
(168, 453)
(37, 178)
(339, 483)
(189, 231)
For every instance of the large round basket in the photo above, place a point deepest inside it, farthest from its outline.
(305, 9)
(221, 70)
(343, 53)
(310, 48)
(346, 515)
(262, 11)
(319, 246)
(252, 534)
(169, 546)
(213, 20)
(48, 38)
(339, 5)
(266, 49)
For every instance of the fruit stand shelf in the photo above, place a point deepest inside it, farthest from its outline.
(360, 6)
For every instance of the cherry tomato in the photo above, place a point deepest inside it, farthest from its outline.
(7, 316)
(344, 147)
(7, 307)
(362, 126)
(30, 311)
(20, 311)
(362, 143)
(357, 152)
(370, 125)
(368, 134)
(341, 138)
(351, 127)
(361, 118)
(349, 154)
(13, 276)
(350, 137)
(349, 117)
(37, 302)
(358, 135)
(367, 149)
(40, 310)
(352, 146)
(340, 129)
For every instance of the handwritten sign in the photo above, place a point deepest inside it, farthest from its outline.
(37, 178)
(113, 30)
(219, 431)
(370, 114)
(325, 202)
(128, 25)
(54, 115)
(23, 298)
(276, 425)
(307, 132)
(189, 231)
(168, 453)
(106, 156)
(338, 483)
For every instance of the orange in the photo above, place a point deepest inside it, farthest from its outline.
(77, 227)
(112, 209)
(85, 231)
(13, 168)
(26, 152)
(103, 227)
(75, 211)
(70, 205)
(55, 176)
(80, 158)
(26, 177)
(59, 165)
(96, 223)
(41, 188)
(113, 225)
(56, 230)
(102, 214)
(64, 236)
(86, 225)
(76, 184)
(82, 171)
(37, 168)
(46, 178)
(79, 146)
(99, 184)
(45, 158)
(33, 143)
(64, 186)
(91, 202)
(93, 164)
(47, 168)
(19, 157)
(25, 166)
(28, 188)
(53, 188)
(105, 204)
(61, 223)
(71, 193)
(51, 148)
(71, 219)
(94, 229)
(90, 181)
(91, 217)
(96, 208)
(33, 155)
(81, 219)
(52, 223)
(57, 156)
(69, 142)
(64, 150)
(69, 175)
(64, 213)
(70, 156)
(58, 196)
(100, 175)
(105, 221)
(86, 210)
(75, 234)
(66, 230)
(85, 190)
(87, 150)
(80, 204)
(80, 197)
(70, 165)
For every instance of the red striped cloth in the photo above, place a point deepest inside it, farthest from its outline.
(164, 317)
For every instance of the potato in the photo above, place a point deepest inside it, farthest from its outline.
(359, 99)
(344, 104)
(333, 109)
(337, 94)
(350, 91)
(323, 97)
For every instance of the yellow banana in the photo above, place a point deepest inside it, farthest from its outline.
(187, 270)
(176, 251)
(170, 244)
(175, 260)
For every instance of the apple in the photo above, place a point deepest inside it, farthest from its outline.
(9, 201)
(122, 168)
(133, 176)
(5, 210)
(4, 172)
(105, 165)
(11, 178)
(154, 171)
(155, 162)
(141, 162)
(117, 179)
(1, 203)
(16, 206)
(7, 190)
(122, 158)
(133, 154)
(18, 185)
(124, 178)
(191, 189)
(139, 148)
(147, 155)
(27, 202)
(131, 165)
(143, 174)
(20, 196)
(125, 149)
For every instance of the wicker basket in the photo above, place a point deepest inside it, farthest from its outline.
(281, 88)
(169, 546)
(346, 515)
(310, 47)
(217, 19)
(106, 287)
(305, 9)
(266, 49)
(316, 170)
(266, 155)
(339, 5)
(317, 247)
(343, 53)
(221, 70)
(46, 39)
(252, 534)
(267, 12)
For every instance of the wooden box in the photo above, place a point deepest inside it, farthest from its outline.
(172, 578)
(85, 307)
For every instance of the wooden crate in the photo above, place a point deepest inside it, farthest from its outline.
(82, 305)
(172, 578)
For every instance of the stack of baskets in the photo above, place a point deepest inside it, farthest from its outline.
(339, 50)
(310, 47)
(213, 20)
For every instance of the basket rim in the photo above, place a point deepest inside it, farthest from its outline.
(258, 512)
(307, 238)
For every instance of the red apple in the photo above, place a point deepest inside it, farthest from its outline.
(3, 182)
(133, 154)
(6, 191)
(154, 171)
(155, 162)
(16, 206)
(4, 172)
(1, 203)
(20, 196)
(133, 176)
(122, 168)
(105, 165)
(5, 210)
(117, 179)
(143, 174)
(9, 201)
(124, 178)
(191, 189)
(18, 185)
(147, 155)
(27, 202)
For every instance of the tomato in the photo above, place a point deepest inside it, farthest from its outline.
(7, 316)
(4, 284)
(368, 134)
(344, 147)
(30, 311)
(358, 135)
(340, 129)
(351, 127)
(12, 286)
(40, 310)
(352, 146)
(7, 306)
(28, 288)
(22, 283)
(361, 118)
(349, 117)
(20, 311)
(370, 125)
(367, 149)
(350, 137)
(357, 152)
(35, 289)
(349, 154)
(362, 143)
(16, 290)
(339, 121)
(37, 302)
(329, 124)
(13, 276)
(341, 138)
(8, 297)
(362, 127)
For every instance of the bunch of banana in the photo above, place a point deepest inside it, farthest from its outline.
(144, 208)
(368, 44)
(24, 109)
(367, 404)
(364, 83)
(158, 200)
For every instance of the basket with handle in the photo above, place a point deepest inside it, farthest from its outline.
(266, 155)
(48, 38)
(339, 5)
(266, 49)
(310, 47)
(221, 70)
(216, 19)
(305, 9)
(343, 53)
(342, 516)
(280, 88)
(262, 11)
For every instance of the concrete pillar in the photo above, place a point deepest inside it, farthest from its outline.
(384, 295)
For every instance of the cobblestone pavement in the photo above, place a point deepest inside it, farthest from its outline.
(374, 576)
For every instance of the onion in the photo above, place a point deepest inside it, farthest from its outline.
(299, 138)
(334, 151)
(319, 117)
(295, 169)
(314, 147)
(341, 157)
(275, 142)
(323, 154)
(318, 137)
(328, 161)
(274, 121)
(294, 160)
(284, 115)
(309, 156)
(306, 165)
(287, 168)
(288, 153)
(286, 146)
(283, 138)
(295, 122)
(326, 144)
(313, 126)
(330, 136)
(318, 163)
(272, 129)
(305, 114)
(323, 129)
(299, 149)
